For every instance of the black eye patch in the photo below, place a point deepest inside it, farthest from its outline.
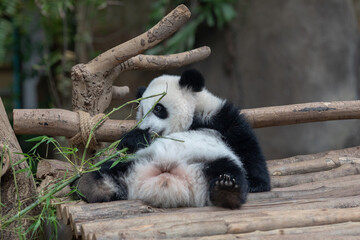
(160, 111)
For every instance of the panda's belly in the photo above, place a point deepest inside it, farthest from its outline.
(168, 184)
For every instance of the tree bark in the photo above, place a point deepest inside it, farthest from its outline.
(24, 184)
(57, 122)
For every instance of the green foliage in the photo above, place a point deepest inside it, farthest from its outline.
(45, 197)
(8, 11)
(213, 13)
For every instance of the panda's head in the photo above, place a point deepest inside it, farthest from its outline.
(175, 111)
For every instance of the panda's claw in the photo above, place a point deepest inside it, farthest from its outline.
(226, 181)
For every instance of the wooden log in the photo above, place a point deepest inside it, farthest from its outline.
(321, 192)
(333, 155)
(162, 30)
(52, 167)
(117, 209)
(13, 189)
(150, 62)
(119, 92)
(321, 164)
(131, 209)
(4, 156)
(332, 182)
(289, 180)
(59, 122)
(233, 222)
(92, 82)
(303, 113)
(56, 122)
(337, 231)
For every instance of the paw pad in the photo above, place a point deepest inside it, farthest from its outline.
(226, 180)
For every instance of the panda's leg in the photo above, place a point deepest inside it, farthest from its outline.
(227, 183)
(104, 185)
(239, 135)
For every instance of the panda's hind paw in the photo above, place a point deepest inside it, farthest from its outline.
(226, 181)
(227, 192)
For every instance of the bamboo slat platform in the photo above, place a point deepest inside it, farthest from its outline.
(313, 197)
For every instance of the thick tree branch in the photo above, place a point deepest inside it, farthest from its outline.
(303, 113)
(92, 82)
(57, 122)
(151, 62)
(119, 92)
(18, 186)
(161, 31)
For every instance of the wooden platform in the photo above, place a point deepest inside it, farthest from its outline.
(313, 197)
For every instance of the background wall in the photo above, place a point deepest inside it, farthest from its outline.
(274, 52)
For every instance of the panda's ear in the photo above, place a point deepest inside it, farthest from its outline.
(193, 80)
(140, 92)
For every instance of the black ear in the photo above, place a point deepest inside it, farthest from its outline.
(140, 92)
(193, 80)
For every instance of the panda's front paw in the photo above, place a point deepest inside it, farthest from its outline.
(228, 191)
(135, 139)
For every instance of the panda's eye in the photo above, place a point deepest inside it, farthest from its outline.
(158, 108)
(160, 111)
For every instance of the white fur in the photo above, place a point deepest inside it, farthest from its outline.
(169, 173)
(182, 105)
(207, 104)
(181, 101)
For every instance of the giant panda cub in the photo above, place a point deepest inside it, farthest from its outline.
(209, 154)
(188, 105)
(184, 169)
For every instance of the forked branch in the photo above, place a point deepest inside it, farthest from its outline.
(92, 82)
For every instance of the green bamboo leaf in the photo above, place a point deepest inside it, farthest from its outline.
(18, 162)
(22, 170)
(37, 139)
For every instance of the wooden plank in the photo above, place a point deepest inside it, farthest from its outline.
(333, 154)
(330, 193)
(290, 180)
(177, 225)
(322, 231)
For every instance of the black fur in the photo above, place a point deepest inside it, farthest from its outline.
(228, 185)
(135, 139)
(140, 92)
(93, 189)
(160, 111)
(193, 80)
(238, 133)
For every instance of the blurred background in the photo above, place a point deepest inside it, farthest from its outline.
(264, 53)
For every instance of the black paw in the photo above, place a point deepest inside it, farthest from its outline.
(228, 191)
(134, 140)
(92, 187)
(225, 181)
